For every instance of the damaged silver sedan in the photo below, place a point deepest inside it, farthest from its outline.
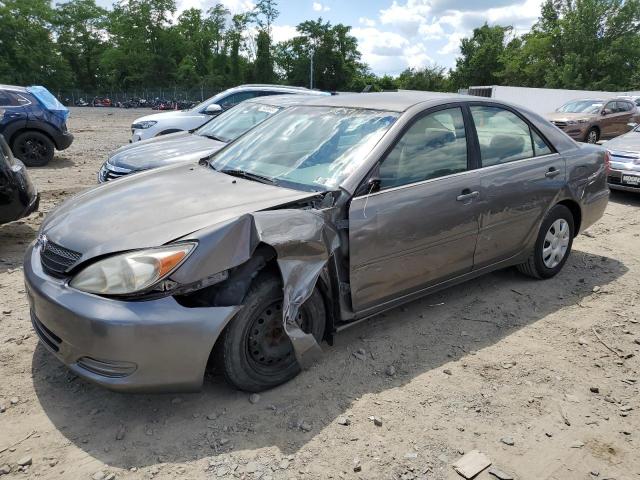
(324, 215)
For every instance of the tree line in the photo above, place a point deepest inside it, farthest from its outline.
(580, 44)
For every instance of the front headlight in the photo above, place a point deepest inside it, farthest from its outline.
(131, 272)
(143, 125)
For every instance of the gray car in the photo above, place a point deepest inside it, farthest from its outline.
(189, 147)
(624, 173)
(321, 216)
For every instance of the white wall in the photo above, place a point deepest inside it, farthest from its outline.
(545, 100)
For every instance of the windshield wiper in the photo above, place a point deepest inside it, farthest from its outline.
(249, 176)
(213, 137)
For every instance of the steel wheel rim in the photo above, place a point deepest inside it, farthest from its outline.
(268, 345)
(556, 243)
(593, 136)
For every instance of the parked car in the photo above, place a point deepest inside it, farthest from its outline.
(323, 215)
(625, 161)
(187, 147)
(591, 120)
(18, 195)
(176, 121)
(34, 123)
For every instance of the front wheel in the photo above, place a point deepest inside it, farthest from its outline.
(593, 135)
(553, 244)
(35, 149)
(255, 352)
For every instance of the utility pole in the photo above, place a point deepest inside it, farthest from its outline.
(311, 71)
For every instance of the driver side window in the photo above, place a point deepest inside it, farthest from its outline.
(434, 146)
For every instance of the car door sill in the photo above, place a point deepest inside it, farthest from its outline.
(367, 313)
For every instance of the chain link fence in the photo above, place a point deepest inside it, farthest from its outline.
(135, 97)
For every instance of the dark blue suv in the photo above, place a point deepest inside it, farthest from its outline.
(34, 123)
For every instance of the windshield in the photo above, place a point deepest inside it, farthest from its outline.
(312, 148)
(234, 122)
(582, 106)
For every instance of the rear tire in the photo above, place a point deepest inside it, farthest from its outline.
(35, 149)
(553, 244)
(254, 351)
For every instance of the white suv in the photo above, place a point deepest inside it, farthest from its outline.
(176, 121)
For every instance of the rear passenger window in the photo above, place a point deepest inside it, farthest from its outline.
(236, 98)
(504, 137)
(434, 146)
(540, 147)
(5, 99)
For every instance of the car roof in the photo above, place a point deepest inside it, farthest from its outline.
(13, 88)
(282, 100)
(390, 101)
(276, 88)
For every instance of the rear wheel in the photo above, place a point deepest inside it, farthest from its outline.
(553, 244)
(35, 149)
(593, 135)
(255, 351)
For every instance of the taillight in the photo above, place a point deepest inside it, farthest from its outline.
(607, 162)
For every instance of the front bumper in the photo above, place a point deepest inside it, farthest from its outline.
(577, 131)
(628, 169)
(133, 346)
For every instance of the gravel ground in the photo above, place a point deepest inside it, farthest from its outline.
(503, 364)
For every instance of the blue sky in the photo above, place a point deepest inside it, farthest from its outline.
(396, 34)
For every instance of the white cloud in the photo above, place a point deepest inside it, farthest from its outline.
(282, 33)
(318, 7)
(406, 18)
(367, 22)
(238, 6)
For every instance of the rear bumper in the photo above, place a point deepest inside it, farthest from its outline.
(593, 208)
(144, 346)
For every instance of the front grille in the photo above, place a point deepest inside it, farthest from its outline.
(47, 336)
(559, 124)
(57, 260)
(109, 172)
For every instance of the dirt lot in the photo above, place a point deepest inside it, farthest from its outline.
(504, 364)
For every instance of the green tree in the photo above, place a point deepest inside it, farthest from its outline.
(335, 51)
(432, 79)
(28, 53)
(79, 25)
(481, 57)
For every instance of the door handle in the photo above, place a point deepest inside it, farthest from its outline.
(553, 172)
(467, 195)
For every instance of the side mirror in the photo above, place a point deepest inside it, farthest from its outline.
(632, 125)
(373, 185)
(605, 111)
(213, 109)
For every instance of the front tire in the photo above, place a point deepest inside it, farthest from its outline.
(255, 351)
(35, 149)
(553, 244)
(593, 135)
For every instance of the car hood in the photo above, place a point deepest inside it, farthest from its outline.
(164, 150)
(629, 142)
(163, 116)
(564, 116)
(155, 207)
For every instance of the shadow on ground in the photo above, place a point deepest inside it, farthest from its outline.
(14, 238)
(416, 338)
(625, 198)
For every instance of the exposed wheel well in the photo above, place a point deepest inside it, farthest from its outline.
(575, 212)
(25, 130)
